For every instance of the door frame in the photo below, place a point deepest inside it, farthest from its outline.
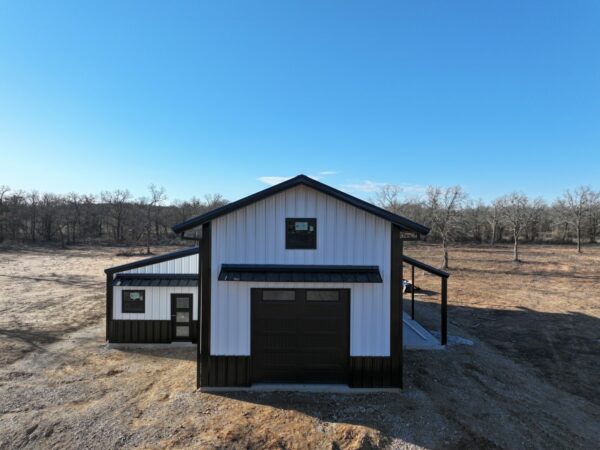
(346, 298)
(189, 338)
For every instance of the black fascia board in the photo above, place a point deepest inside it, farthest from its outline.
(297, 268)
(397, 220)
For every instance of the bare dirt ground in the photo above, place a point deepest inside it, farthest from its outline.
(529, 381)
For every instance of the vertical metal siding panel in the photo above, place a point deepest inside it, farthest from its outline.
(289, 199)
(195, 304)
(117, 314)
(216, 251)
(371, 254)
(279, 224)
(250, 236)
(157, 300)
(330, 227)
(350, 229)
(261, 245)
(215, 230)
(165, 307)
(150, 301)
(219, 249)
(257, 241)
(321, 215)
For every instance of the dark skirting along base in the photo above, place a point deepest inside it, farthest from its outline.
(224, 371)
(144, 331)
(371, 372)
(236, 371)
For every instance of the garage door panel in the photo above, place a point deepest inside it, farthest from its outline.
(300, 340)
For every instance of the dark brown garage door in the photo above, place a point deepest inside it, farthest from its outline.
(300, 335)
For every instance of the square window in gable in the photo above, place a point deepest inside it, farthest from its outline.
(300, 234)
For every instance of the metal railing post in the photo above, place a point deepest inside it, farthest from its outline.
(412, 291)
(444, 333)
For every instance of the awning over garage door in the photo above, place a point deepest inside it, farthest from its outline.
(300, 273)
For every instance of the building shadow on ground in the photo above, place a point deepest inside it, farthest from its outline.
(179, 353)
(559, 350)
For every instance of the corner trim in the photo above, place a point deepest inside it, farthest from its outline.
(109, 305)
(204, 299)
(396, 321)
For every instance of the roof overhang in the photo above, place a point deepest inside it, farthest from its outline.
(402, 222)
(300, 273)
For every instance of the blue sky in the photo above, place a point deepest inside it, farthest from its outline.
(204, 97)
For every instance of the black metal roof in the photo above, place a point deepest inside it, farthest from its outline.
(153, 260)
(300, 273)
(400, 221)
(156, 280)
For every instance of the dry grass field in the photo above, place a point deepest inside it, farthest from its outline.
(530, 380)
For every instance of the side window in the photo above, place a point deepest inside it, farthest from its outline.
(300, 234)
(134, 302)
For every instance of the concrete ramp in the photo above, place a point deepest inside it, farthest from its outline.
(418, 338)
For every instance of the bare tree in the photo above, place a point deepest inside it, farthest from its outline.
(388, 198)
(517, 212)
(4, 190)
(16, 207)
(212, 201)
(33, 198)
(474, 220)
(493, 219)
(444, 205)
(117, 204)
(594, 215)
(575, 206)
(151, 207)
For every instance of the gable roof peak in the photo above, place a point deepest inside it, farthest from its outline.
(396, 219)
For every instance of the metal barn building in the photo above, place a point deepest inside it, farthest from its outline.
(299, 283)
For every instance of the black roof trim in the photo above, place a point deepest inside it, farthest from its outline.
(158, 276)
(156, 279)
(153, 260)
(307, 181)
(300, 273)
(425, 267)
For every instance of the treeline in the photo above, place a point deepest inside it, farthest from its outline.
(573, 218)
(117, 217)
(113, 217)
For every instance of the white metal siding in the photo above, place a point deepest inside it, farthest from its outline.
(158, 302)
(346, 235)
(185, 264)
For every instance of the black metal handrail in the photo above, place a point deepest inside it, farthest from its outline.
(443, 292)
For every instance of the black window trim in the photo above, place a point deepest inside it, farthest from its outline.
(123, 292)
(300, 219)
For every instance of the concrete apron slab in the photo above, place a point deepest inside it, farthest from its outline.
(313, 388)
(113, 345)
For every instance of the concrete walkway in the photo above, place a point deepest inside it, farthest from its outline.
(418, 338)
